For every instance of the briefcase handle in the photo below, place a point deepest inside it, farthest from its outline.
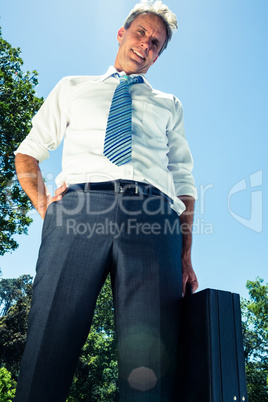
(189, 290)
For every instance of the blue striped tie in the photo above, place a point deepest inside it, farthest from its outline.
(118, 137)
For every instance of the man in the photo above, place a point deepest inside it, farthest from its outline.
(124, 210)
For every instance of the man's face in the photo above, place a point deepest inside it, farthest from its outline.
(140, 44)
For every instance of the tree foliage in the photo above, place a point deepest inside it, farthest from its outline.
(13, 326)
(96, 374)
(7, 386)
(18, 104)
(255, 328)
(11, 290)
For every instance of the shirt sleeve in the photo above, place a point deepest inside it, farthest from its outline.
(180, 157)
(48, 125)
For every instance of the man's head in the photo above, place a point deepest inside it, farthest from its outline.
(144, 36)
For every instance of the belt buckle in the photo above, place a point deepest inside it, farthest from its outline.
(119, 188)
(86, 187)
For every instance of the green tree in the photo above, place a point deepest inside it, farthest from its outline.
(13, 329)
(7, 386)
(96, 374)
(18, 104)
(255, 329)
(11, 290)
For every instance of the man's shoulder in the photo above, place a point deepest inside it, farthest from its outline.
(168, 97)
(74, 80)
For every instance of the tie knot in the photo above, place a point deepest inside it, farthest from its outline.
(131, 80)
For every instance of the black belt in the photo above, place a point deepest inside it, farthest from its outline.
(119, 186)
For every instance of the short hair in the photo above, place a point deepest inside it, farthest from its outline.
(159, 9)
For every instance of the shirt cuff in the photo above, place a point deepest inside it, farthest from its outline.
(185, 189)
(30, 147)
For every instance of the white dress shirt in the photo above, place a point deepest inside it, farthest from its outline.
(76, 111)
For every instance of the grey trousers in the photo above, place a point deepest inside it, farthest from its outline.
(85, 236)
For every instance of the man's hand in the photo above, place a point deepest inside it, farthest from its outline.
(188, 275)
(31, 180)
(58, 196)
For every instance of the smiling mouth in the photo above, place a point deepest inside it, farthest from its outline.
(138, 54)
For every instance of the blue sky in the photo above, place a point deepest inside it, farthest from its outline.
(217, 66)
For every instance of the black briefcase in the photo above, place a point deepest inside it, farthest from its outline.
(212, 366)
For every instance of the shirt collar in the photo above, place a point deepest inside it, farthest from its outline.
(112, 70)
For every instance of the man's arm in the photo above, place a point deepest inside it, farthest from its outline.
(186, 221)
(31, 180)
